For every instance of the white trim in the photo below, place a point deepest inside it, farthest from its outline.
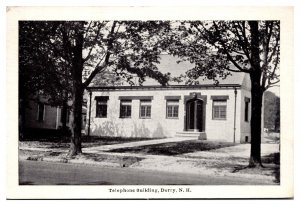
(38, 111)
(44, 112)
(57, 119)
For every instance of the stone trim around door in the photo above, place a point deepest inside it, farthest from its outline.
(203, 98)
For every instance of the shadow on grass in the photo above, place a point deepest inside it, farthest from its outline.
(175, 148)
(92, 141)
(274, 169)
(98, 141)
(123, 161)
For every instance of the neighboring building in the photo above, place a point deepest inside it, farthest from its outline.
(41, 115)
(205, 111)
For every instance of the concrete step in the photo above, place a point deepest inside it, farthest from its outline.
(196, 135)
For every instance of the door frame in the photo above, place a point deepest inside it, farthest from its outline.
(194, 97)
(197, 117)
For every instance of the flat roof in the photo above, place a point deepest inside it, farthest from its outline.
(169, 87)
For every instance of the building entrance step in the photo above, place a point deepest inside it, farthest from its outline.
(197, 135)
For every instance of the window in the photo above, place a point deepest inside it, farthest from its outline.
(67, 115)
(172, 108)
(101, 107)
(247, 101)
(41, 112)
(125, 109)
(145, 109)
(219, 109)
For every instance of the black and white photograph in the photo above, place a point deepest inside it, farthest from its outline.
(151, 107)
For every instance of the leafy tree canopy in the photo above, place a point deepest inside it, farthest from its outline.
(217, 48)
(128, 48)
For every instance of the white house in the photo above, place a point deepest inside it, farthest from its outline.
(205, 111)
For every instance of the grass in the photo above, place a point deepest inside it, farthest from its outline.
(98, 141)
(63, 142)
(122, 161)
(175, 148)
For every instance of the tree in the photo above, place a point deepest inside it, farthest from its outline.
(271, 111)
(85, 49)
(39, 72)
(217, 48)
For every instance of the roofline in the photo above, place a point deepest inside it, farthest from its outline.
(159, 87)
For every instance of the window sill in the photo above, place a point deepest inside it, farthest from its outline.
(218, 119)
(172, 117)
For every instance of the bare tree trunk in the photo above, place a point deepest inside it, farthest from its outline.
(64, 113)
(257, 94)
(256, 109)
(75, 146)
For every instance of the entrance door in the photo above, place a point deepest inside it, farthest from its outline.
(194, 111)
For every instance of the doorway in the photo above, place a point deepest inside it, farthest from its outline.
(194, 115)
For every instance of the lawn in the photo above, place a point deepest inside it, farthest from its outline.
(89, 158)
(175, 148)
(63, 143)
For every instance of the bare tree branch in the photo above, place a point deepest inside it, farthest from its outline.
(272, 84)
(266, 42)
(274, 48)
(87, 29)
(228, 54)
(243, 40)
(94, 43)
(99, 68)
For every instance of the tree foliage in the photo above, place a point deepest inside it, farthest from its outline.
(70, 54)
(40, 72)
(217, 48)
(228, 46)
(271, 111)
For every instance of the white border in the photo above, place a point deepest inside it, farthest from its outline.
(164, 13)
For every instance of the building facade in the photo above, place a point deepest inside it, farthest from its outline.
(205, 111)
(39, 114)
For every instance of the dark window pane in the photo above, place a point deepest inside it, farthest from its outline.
(101, 109)
(169, 111)
(125, 109)
(41, 111)
(148, 113)
(246, 111)
(143, 111)
(175, 111)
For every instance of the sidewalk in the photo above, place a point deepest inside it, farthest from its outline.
(136, 144)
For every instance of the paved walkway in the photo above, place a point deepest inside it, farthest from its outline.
(136, 144)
